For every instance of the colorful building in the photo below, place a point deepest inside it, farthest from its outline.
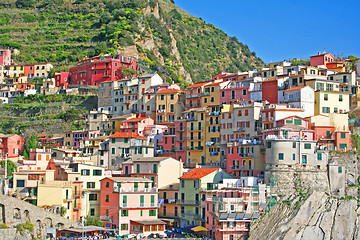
(11, 144)
(132, 204)
(192, 184)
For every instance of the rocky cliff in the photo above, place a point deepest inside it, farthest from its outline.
(322, 210)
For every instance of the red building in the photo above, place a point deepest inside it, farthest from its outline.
(61, 80)
(11, 144)
(270, 90)
(321, 59)
(92, 71)
(5, 57)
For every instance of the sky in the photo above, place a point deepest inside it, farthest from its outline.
(279, 30)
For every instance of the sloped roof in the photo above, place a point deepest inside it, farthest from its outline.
(198, 173)
(198, 84)
(136, 119)
(169, 90)
(127, 135)
(295, 88)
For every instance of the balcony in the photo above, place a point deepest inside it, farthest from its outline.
(172, 201)
(196, 95)
(240, 129)
(189, 202)
(161, 111)
(195, 128)
(134, 190)
(106, 218)
(193, 105)
(194, 138)
(180, 129)
(126, 101)
(190, 119)
(180, 139)
(198, 148)
(280, 137)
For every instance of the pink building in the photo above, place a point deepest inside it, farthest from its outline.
(5, 57)
(11, 144)
(235, 91)
(321, 59)
(230, 209)
(132, 204)
(136, 125)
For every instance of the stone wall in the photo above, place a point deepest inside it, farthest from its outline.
(14, 211)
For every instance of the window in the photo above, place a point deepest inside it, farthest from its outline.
(155, 168)
(294, 156)
(326, 96)
(304, 159)
(326, 110)
(92, 211)
(339, 169)
(281, 156)
(343, 135)
(92, 197)
(152, 200)
(85, 172)
(268, 144)
(137, 168)
(112, 140)
(244, 92)
(297, 121)
(182, 183)
(107, 198)
(90, 184)
(307, 145)
(294, 144)
(222, 94)
(141, 201)
(124, 201)
(152, 212)
(97, 172)
(328, 134)
(343, 146)
(161, 97)
(124, 213)
(107, 184)
(126, 140)
(319, 156)
(124, 226)
(112, 150)
(172, 96)
(20, 183)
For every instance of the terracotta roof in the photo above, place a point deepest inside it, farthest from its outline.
(127, 135)
(169, 90)
(295, 88)
(216, 83)
(198, 84)
(198, 173)
(136, 119)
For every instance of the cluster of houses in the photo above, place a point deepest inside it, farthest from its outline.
(155, 155)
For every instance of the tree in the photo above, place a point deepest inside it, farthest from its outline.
(11, 167)
(30, 142)
(90, 221)
(172, 1)
(25, 3)
(62, 211)
(70, 115)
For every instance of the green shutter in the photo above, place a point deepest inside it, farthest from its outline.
(124, 201)
(343, 135)
(141, 201)
(126, 140)
(136, 185)
(146, 150)
(113, 140)
(307, 146)
(343, 146)
(152, 200)
(138, 168)
(319, 156)
(146, 185)
(297, 121)
(155, 168)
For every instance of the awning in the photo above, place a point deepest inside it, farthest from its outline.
(190, 227)
(199, 229)
(239, 216)
(150, 222)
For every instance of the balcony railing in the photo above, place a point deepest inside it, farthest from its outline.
(189, 202)
(198, 148)
(194, 138)
(196, 95)
(195, 128)
(134, 190)
(106, 218)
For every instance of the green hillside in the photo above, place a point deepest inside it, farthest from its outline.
(168, 40)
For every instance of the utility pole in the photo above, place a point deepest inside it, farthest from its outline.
(6, 189)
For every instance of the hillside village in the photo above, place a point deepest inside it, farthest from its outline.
(208, 159)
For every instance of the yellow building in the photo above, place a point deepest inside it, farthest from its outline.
(330, 97)
(195, 144)
(170, 207)
(169, 105)
(58, 195)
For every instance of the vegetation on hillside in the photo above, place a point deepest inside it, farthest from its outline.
(64, 31)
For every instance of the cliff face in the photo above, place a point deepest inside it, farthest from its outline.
(317, 206)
